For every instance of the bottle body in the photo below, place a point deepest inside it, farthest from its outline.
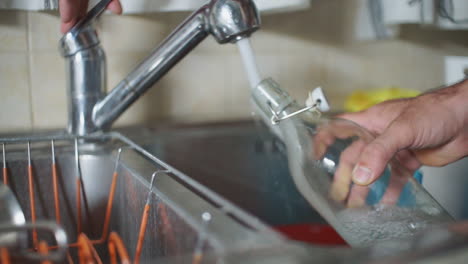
(322, 154)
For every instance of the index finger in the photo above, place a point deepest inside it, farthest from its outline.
(337, 129)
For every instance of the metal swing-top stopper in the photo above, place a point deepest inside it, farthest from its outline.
(316, 102)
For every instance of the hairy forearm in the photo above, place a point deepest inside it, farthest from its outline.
(463, 102)
(460, 105)
(459, 102)
(453, 97)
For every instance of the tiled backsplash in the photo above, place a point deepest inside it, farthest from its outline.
(301, 50)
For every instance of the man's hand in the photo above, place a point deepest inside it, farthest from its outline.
(431, 129)
(72, 10)
(330, 137)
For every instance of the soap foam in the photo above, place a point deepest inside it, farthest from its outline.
(365, 226)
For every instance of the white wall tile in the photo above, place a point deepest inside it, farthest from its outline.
(301, 72)
(13, 34)
(132, 33)
(301, 50)
(344, 73)
(195, 90)
(44, 31)
(49, 100)
(403, 64)
(15, 111)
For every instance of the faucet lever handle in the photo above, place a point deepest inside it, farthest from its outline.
(93, 14)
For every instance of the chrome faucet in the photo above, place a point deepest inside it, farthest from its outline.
(90, 110)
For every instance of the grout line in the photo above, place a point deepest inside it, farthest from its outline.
(29, 53)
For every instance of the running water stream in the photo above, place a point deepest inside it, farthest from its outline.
(250, 63)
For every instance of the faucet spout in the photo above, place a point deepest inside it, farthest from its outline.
(226, 20)
(186, 37)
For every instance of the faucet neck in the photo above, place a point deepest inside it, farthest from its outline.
(90, 110)
(86, 78)
(185, 38)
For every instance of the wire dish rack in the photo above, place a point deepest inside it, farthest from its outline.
(105, 199)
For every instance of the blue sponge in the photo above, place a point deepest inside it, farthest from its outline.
(378, 188)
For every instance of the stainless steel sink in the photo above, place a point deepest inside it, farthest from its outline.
(242, 162)
(175, 227)
(236, 172)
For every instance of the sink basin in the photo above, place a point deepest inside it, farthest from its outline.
(175, 229)
(235, 172)
(246, 164)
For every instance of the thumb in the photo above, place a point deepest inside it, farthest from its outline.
(376, 155)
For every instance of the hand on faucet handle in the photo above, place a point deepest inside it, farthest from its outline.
(72, 10)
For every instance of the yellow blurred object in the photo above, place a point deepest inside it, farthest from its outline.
(361, 100)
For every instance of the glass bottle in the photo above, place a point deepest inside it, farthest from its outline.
(322, 154)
